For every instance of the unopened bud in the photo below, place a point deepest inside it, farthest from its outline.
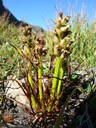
(61, 14)
(56, 40)
(64, 29)
(58, 31)
(65, 20)
(63, 43)
(58, 24)
(57, 50)
(58, 20)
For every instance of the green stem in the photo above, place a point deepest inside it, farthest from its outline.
(56, 74)
(40, 82)
(31, 85)
(33, 102)
(54, 83)
(60, 81)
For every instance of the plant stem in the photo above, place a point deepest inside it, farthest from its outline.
(40, 82)
(31, 85)
(54, 83)
(56, 74)
(33, 102)
(60, 81)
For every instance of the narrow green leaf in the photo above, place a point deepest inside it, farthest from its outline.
(30, 80)
(89, 88)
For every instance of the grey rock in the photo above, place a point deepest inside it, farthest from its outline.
(13, 90)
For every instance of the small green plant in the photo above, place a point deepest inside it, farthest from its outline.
(33, 53)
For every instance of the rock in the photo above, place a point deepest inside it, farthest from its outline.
(13, 90)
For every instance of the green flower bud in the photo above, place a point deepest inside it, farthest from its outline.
(62, 56)
(58, 31)
(63, 43)
(58, 25)
(58, 20)
(57, 50)
(65, 20)
(64, 29)
(56, 40)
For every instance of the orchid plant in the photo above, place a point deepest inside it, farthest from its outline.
(33, 54)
